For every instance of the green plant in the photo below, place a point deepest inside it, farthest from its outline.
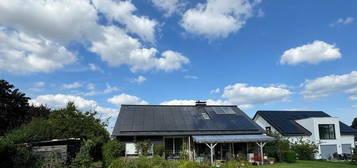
(13, 156)
(83, 158)
(277, 147)
(159, 149)
(112, 150)
(290, 157)
(143, 147)
(304, 149)
(184, 152)
(237, 163)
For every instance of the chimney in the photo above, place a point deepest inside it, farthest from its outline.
(200, 103)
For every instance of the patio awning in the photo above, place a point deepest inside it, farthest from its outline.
(231, 138)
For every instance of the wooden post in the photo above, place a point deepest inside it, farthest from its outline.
(261, 145)
(189, 148)
(211, 146)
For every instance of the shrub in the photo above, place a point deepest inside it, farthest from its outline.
(290, 156)
(13, 156)
(277, 147)
(83, 158)
(112, 150)
(237, 163)
(305, 150)
(159, 149)
(143, 147)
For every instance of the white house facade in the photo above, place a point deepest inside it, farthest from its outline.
(331, 135)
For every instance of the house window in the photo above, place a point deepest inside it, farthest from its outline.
(205, 116)
(268, 129)
(327, 131)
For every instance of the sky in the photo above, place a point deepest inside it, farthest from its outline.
(257, 54)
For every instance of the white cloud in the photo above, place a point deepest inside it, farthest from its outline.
(191, 77)
(90, 86)
(122, 12)
(21, 53)
(39, 23)
(215, 91)
(118, 48)
(312, 53)
(74, 85)
(126, 99)
(169, 6)
(57, 101)
(323, 86)
(243, 94)
(342, 21)
(139, 79)
(94, 67)
(60, 20)
(110, 89)
(217, 18)
(37, 87)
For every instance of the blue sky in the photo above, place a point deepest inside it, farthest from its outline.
(259, 55)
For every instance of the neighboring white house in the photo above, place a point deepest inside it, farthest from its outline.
(331, 135)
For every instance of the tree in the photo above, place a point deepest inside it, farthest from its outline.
(112, 150)
(354, 123)
(15, 109)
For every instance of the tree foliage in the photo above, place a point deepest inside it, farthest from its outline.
(15, 109)
(354, 123)
(112, 150)
(83, 158)
(304, 149)
(278, 147)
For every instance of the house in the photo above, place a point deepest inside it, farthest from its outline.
(208, 132)
(331, 135)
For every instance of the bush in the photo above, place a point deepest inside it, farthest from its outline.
(143, 147)
(305, 150)
(290, 157)
(112, 150)
(12, 156)
(277, 147)
(235, 164)
(159, 149)
(83, 158)
(144, 162)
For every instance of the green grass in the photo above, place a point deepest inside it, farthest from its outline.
(312, 164)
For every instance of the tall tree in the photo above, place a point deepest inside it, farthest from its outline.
(15, 109)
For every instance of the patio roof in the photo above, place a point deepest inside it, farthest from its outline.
(231, 138)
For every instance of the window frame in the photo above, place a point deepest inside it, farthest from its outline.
(328, 127)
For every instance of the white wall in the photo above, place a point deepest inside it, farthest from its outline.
(312, 125)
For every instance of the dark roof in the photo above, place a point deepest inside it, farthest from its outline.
(284, 121)
(182, 120)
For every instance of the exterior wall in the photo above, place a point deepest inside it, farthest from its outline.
(262, 123)
(312, 124)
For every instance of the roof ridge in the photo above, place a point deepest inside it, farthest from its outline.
(164, 105)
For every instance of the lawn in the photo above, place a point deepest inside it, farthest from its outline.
(312, 164)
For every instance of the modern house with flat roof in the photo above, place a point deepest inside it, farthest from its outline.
(332, 136)
(210, 132)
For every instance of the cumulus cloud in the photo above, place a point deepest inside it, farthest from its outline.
(22, 53)
(57, 101)
(122, 12)
(92, 92)
(169, 7)
(126, 99)
(323, 86)
(342, 21)
(50, 18)
(139, 79)
(312, 53)
(115, 42)
(217, 18)
(243, 94)
(118, 48)
(38, 86)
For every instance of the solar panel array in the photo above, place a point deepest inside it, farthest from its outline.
(139, 118)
